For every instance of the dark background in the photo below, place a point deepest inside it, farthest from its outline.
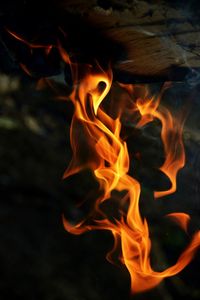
(38, 259)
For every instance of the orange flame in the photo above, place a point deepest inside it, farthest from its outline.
(181, 219)
(171, 135)
(30, 45)
(110, 165)
(109, 160)
(46, 48)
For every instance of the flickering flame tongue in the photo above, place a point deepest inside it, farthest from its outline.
(110, 165)
(108, 158)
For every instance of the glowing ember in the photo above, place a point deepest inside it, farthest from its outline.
(109, 162)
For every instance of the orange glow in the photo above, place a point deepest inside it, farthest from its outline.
(171, 135)
(64, 54)
(109, 161)
(46, 48)
(181, 219)
(30, 45)
(25, 69)
(110, 166)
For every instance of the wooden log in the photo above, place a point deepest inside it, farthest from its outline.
(160, 40)
(146, 40)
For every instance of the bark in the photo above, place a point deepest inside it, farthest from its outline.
(146, 40)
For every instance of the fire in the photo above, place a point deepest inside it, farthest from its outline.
(30, 45)
(110, 165)
(171, 135)
(108, 158)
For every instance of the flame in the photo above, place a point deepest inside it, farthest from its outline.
(98, 133)
(171, 135)
(30, 45)
(181, 219)
(110, 165)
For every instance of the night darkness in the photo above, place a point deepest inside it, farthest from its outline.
(38, 258)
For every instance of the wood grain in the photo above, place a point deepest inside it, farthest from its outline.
(157, 37)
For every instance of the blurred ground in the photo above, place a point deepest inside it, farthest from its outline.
(38, 259)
